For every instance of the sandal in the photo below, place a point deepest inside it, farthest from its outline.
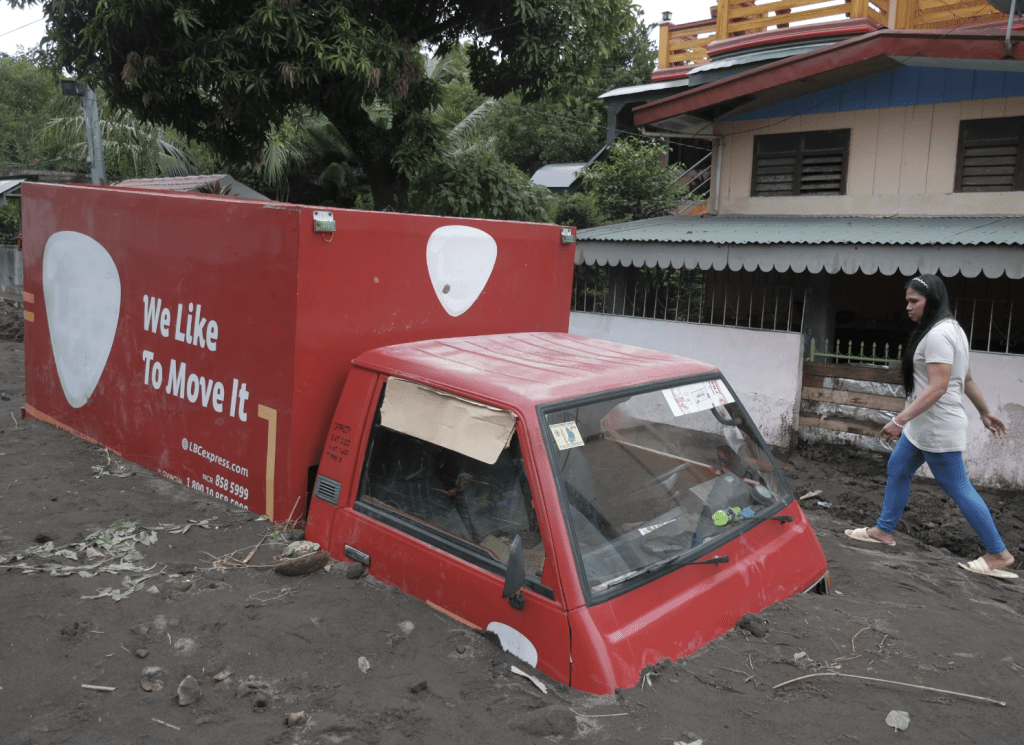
(861, 534)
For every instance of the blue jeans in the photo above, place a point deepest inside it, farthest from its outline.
(949, 471)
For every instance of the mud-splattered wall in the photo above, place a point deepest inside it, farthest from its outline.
(991, 462)
(10, 266)
(762, 366)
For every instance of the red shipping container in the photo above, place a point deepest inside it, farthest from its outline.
(208, 338)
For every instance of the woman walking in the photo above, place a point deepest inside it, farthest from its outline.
(932, 428)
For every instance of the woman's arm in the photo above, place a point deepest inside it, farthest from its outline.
(990, 420)
(938, 382)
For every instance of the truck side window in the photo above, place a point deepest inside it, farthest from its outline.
(464, 499)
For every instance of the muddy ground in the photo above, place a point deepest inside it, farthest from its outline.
(260, 646)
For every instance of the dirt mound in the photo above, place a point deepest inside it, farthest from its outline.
(852, 484)
(152, 623)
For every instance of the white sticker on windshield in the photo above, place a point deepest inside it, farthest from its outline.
(652, 528)
(566, 435)
(687, 399)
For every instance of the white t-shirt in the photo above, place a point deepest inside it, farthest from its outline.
(943, 427)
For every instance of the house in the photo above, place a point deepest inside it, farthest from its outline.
(848, 155)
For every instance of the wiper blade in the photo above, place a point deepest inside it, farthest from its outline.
(715, 560)
(653, 567)
(635, 573)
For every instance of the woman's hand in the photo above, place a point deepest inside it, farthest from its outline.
(994, 424)
(891, 431)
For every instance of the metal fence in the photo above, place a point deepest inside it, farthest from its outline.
(855, 354)
(990, 324)
(688, 296)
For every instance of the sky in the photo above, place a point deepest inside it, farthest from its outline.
(26, 27)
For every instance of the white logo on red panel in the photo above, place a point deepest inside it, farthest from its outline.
(460, 260)
(82, 291)
(514, 642)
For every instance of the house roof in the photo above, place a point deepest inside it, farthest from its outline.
(558, 175)
(991, 245)
(692, 111)
(193, 183)
(645, 89)
(10, 187)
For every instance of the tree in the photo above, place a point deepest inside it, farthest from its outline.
(632, 184)
(227, 73)
(26, 93)
(568, 125)
(468, 179)
(132, 149)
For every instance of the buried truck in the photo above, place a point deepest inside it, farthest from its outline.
(405, 384)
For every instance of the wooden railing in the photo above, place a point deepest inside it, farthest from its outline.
(924, 14)
(685, 44)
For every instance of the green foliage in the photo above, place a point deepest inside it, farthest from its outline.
(10, 221)
(532, 135)
(474, 182)
(306, 160)
(229, 72)
(536, 46)
(632, 184)
(26, 92)
(466, 178)
(579, 210)
(131, 148)
(568, 125)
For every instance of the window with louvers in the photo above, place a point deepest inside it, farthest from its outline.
(990, 156)
(801, 164)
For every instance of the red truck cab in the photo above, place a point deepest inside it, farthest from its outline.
(598, 507)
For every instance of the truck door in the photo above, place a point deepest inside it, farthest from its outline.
(443, 493)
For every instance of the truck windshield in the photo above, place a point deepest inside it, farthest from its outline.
(660, 477)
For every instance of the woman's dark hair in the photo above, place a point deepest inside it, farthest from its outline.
(936, 308)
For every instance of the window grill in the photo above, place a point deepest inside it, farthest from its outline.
(990, 324)
(688, 296)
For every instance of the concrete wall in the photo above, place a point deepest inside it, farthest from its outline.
(764, 367)
(992, 462)
(10, 266)
(902, 162)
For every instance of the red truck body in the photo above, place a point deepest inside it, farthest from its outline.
(290, 309)
(406, 384)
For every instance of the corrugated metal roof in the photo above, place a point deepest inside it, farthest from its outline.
(173, 183)
(193, 183)
(871, 231)
(759, 55)
(8, 184)
(632, 90)
(993, 246)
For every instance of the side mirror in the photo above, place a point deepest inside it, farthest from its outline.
(515, 575)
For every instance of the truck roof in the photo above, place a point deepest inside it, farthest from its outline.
(523, 370)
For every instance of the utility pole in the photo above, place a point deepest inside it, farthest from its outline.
(93, 136)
